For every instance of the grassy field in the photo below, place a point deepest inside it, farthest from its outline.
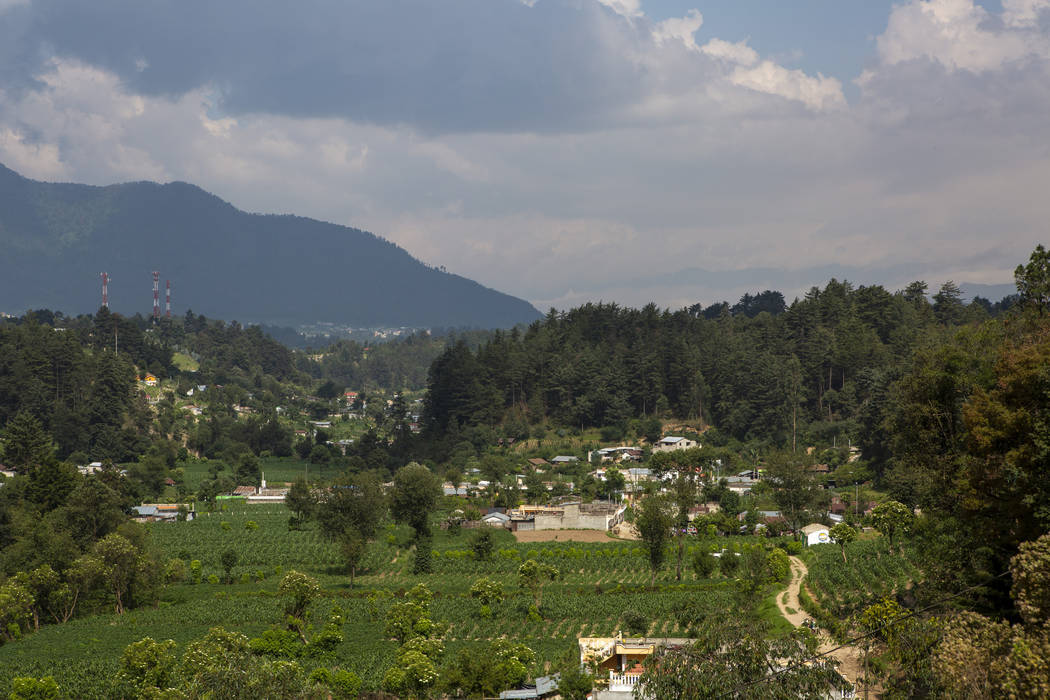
(277, 470)
(184, 362)
(599, 582)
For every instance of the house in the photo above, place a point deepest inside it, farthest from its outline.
(265, 495)
(93, 468)
(622, 659)
(574, 516)
(496, 519)
(816, 534)
(162, 512)
(149, 380)
(544, 686)
(740, 484)
(564, 459)
(539, 463)
(451, 490)
(616, 454)
(672, 443)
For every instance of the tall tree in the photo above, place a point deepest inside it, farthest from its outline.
(795, 490)
(412, 500)
(654, 525)
(1033, 281)
(350, 512)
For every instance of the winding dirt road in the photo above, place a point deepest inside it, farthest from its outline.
(849, 658)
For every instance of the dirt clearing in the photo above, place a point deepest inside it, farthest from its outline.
(563, 536)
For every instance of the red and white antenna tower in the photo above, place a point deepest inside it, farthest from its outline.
(105, 290)
(167, 298)
(156, 295)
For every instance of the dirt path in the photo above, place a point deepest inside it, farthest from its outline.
(849, 658)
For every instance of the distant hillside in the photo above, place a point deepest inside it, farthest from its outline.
(221, 261)
(991, 292)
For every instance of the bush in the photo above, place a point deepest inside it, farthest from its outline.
(27, 688)
(635, 622)
(704, 564)
(729, 562)
(175, 571)
(779, 566)
(482, 544)
(423, 563)
(793, 548)
(196, 571)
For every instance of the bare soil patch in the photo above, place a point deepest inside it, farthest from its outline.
(562, 536)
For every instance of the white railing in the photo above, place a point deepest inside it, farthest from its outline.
(622, 681)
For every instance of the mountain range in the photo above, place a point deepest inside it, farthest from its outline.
(57, 238)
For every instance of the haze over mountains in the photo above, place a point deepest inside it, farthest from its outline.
(221, 261)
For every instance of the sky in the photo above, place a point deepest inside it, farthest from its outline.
(564, 151)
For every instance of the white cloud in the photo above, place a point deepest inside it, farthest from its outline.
(739, 52)
(680, 28)
(38, 160)
(958, 34)
(627, 8)
(1023, 13)
(817, 93)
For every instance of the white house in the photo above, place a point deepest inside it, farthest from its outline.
(671, 443)
(816, 534)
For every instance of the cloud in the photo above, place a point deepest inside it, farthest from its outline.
(1023, 13)
(459, 65)
(561, 151)
(817, 93)
(739, 53)
(681, 29)
(961, 35)
(626, 8)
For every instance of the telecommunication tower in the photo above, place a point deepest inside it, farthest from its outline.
(156, 295)
(167, 298)
(105, 290)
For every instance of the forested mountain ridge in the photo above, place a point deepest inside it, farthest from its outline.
(58, 237)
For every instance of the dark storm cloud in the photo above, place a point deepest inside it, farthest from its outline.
(452, 65)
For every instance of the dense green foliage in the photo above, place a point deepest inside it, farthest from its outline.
(805, 373)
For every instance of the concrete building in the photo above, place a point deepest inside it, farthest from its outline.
(672, 443)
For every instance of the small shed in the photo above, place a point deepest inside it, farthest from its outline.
(816, 534)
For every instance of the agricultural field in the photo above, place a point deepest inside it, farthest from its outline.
(599, 582)
(275, 469)
(872, 571)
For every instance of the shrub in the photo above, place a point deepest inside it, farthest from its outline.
(196, 571)
(704, 564)
(635, 622)
(175, 571)
(779, 566)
